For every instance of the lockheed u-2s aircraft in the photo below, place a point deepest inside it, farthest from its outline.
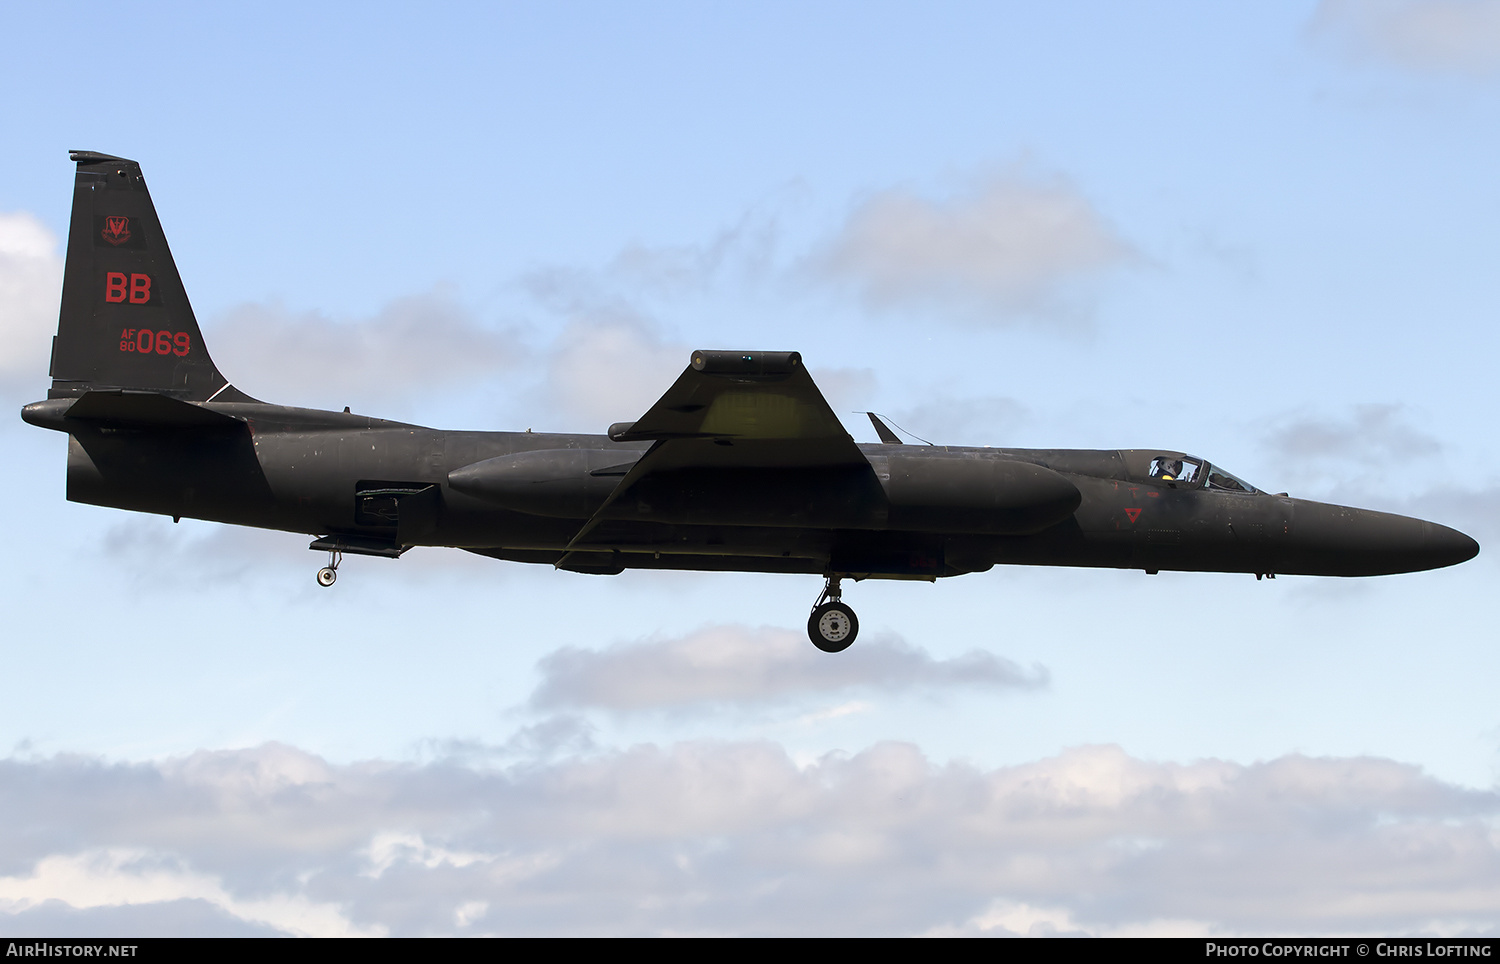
(740, 466)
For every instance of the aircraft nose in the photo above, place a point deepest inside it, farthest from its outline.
(1338, 541)
(1449, 545)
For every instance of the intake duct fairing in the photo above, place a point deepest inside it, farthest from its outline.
(962, 494)
(561, 483)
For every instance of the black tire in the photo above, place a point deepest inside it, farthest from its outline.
(832, 627)
(326, 577)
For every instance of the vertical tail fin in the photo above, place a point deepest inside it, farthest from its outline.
(125, 321)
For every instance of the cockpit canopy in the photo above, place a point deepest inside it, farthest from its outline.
(1182, 471)
(1219, 479)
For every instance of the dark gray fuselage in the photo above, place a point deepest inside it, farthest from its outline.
(913, 512)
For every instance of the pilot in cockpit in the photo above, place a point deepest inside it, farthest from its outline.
(1173, 469)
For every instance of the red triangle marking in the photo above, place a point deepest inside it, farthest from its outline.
(1133, 514)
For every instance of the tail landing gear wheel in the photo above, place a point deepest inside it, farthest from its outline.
(330, 572)
(832, 627)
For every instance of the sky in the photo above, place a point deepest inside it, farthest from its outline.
(1263, 234)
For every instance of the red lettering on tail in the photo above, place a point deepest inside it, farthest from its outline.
(140, 289)
(145, 341)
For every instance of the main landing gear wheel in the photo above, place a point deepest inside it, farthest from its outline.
(832, 625)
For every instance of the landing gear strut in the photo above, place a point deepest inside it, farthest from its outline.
(832, 625)
(330, 572)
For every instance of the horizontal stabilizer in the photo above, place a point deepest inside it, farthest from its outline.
(147, 410)
(125, 409)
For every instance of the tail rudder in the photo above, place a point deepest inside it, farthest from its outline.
(125, 321)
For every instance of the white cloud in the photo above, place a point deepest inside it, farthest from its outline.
(414, 344)
(180, 918)
(390, 847)
(1372, 434)
(606, 367)
(738, 666)
(739, 838)
(1461, 36)
(115, 877)
(991, 420)
(30, 288)
(610, 363)
(163, 556)
(1014, 247)
(745, 251)
(1371, 446)
(154, 555)
(1008, 918)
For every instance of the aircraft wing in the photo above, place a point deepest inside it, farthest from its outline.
(742, 409)
(730, 412)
